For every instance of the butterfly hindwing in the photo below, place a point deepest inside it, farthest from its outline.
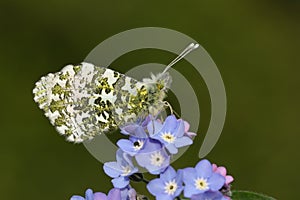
(85, 100)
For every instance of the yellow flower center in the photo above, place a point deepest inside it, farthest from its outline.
(201, 184)
(170, 187)
(126, 170)
(157, 159)
(168, 137)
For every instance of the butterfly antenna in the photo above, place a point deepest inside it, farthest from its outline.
(186, 51)
(169, 106)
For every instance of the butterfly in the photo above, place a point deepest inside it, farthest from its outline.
(85, 100)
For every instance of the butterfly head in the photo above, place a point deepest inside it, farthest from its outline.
(157, 86)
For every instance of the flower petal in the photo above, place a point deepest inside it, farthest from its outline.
(183, 141)
(143, 159)
(204, 169)
(190, 134)
(214, 167)
(100, 196)
(172, 149)
(127, 160)
(123, 159)
(131, 194)
(112, 169)
(114, 194)
(120, 156)
(169, 174)
(209, 195)
(221, 170)
(190, 190)
(157, 136)
(126, 146)
(186, 126)
(140, 133)
(179, 177)
(154, 127)
(164, 197)
(134, 130)
(189, 175)
(216, 182)
(89, 195)
(156, 187)
(120, 182)
(228, 179)
(179, 129)
(146, 121)
(170, 124)
(178, 191)
(76, 197)
(151, 146)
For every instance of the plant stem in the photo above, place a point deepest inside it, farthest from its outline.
(145, 181)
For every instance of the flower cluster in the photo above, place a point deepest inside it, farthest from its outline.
(151, 143)
(113, 194)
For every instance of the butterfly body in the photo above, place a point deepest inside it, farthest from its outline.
(85, 100)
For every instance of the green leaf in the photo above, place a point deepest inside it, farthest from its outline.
(246, 195)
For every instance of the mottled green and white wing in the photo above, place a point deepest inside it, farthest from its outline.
(85, 100)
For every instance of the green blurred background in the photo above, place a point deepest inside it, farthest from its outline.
(255, 44)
